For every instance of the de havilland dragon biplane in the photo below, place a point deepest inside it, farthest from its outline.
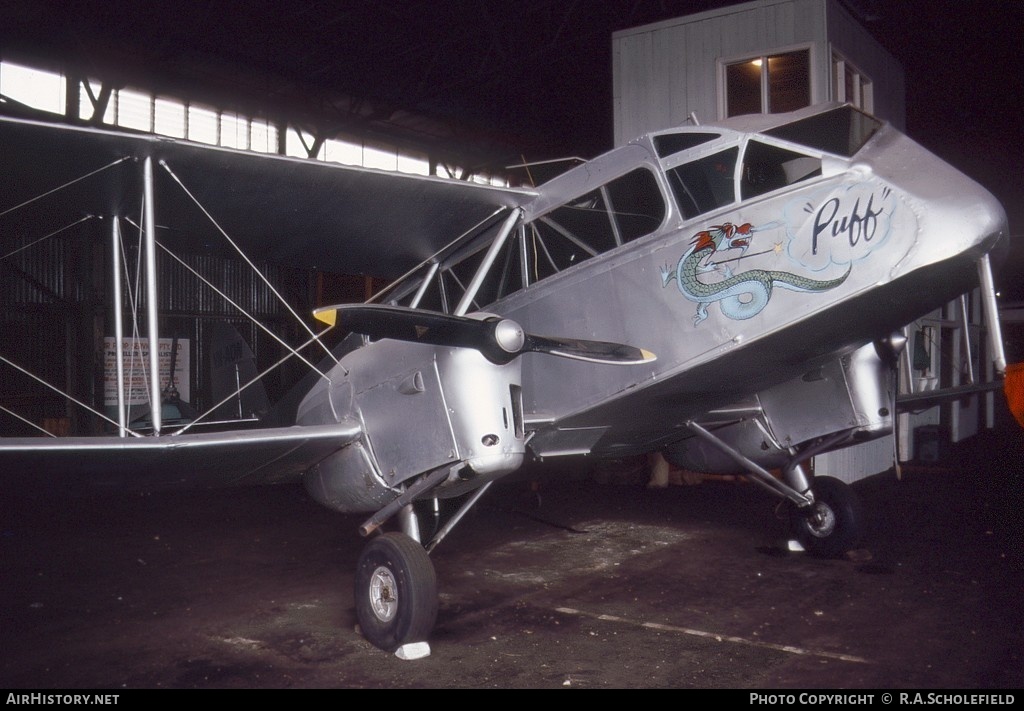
(729, 295)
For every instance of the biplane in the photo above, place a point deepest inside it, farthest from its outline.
(729, 295)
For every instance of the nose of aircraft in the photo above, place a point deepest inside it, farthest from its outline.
(956, 214)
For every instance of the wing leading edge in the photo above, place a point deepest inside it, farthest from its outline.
(258, 456)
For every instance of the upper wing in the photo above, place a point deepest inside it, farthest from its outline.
(258, 456)
(303, 213)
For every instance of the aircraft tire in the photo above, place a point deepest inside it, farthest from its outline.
(395, 592)
(835, 527)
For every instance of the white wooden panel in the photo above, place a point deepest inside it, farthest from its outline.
(856, 462)
(857, 46)
(633, 83)
(672, 65)
(670, 52)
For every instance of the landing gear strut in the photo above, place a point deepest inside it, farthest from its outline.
(395, 582)
(824, 512)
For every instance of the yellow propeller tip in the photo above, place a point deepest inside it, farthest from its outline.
(326, 314)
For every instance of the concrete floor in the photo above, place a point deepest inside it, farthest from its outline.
(582, 584)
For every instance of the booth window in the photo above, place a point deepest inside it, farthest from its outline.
(768, 84)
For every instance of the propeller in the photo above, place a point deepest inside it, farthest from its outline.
(500, 340)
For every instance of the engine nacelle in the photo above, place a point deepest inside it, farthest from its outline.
(852, 393)
(421, 408)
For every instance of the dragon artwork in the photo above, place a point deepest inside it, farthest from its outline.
(741, 296)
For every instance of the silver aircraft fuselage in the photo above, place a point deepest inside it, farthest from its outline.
(824, 266)
(744, 256)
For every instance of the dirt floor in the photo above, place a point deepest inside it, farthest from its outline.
(594, 582)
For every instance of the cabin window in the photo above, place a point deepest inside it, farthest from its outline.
(705, 184)
(505, 275)
(620, 211)
(768, 84)
(767, 167)
(442, 288)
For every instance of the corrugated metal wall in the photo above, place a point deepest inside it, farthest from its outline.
(181, 291)
(51, 270)
(48, 299)
(56, 307)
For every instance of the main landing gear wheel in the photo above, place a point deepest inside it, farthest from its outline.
(395, 592)
(831, 527)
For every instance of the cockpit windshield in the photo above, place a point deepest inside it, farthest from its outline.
(842, 131)
(668, 144)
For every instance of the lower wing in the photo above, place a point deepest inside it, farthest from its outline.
(239, 457)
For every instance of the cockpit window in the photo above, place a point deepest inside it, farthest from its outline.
(767, 167)
(670, 143)
(705, 184)
(842, 131)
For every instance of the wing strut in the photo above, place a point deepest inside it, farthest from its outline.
(302, 323)
(149, 222)
(115, 262)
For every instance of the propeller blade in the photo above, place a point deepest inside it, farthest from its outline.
(403, 324)
(589, 351)
(499, 340)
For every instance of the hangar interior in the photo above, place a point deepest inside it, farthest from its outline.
(58, 300)
(761, 56)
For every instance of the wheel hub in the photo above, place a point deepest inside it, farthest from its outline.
(383, 594)
(821, 522)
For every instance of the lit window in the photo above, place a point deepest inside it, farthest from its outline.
(202, 125)
(416, 165)
(297, 143)
(169, 118)
(768, 84)
(33, 87)
(381, 159)
(234, 131)
(263, 137)
(443, 170)
(143, 111)
(343, 152)
(743, 88)
(134, 110)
